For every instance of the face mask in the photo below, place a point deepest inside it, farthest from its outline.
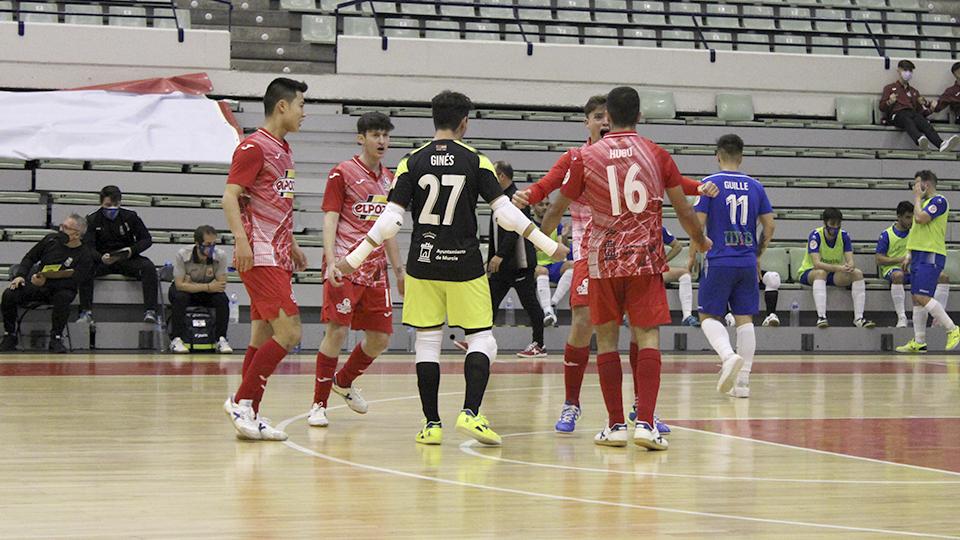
(832, 231)
(208, 251)
(63, 237)
(907, 75)
(110, 212)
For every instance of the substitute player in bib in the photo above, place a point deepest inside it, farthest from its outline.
(681, 276)
(926, 257)
(446, 282)
(730, 270)
(549, 271)
(354, 197)
(258, 204)
(623, 178)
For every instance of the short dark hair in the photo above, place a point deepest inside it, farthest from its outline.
(110, 192)
(906, 64)
(594, 103)
(730, 146)
(374, 121)
(504, 168)
(954, 67)
(623, 106)
(202, 231)
(926, 176)
(281, 89)
(449, 109)
(904, 207)
(831, 214)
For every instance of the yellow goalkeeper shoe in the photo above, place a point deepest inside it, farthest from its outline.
(953, 338)
(432, 433)
(478, 428)
(912, 347)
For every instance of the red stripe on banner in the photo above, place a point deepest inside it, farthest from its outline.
(197, 84)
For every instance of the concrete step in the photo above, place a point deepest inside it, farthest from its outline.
(219, 17)
(263, 34)
(238, 5)
(277, 66)
(282, 51)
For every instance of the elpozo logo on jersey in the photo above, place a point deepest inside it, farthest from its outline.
(286, 185)
(370, 209)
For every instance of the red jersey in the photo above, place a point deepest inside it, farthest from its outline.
(264, 167)
(359, 195)
(623, 178)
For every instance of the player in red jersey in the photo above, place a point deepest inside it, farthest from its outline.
(353, 199)
(258, 204)
(577, 351)
(623, 178)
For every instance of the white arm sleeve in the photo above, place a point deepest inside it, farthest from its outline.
(386, 227)
(511, 218)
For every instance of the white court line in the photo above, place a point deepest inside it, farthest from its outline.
(290, 444)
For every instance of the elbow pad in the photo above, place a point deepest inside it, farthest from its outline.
(388, 224)
(511, 218)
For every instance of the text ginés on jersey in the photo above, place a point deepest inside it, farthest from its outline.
(441, 160)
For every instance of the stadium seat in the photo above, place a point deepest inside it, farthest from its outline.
(839, 3)
(482, 31)
(298, 5)
(689, 9)
(935, 30)
(505, 12)
(861, 47)
(403, 28)
(330, 6)
(776, 260)
(34, 12)
(442, 29)
(319, 28)
(724, 16)
(753, 42)
(657, 105)
(935, 49)
(855, 110)
(790, 19)
(796, 259)
(749, 12)
(611, 17)
(553, 33)
(734, 107)
(639, 37)
(183, 18)
(418, 8)
(458, 11)
(678, 39)
(360, 26)
(511, 32)
(573, 10)
(380, 7)
(133, 16)
(830, 26)
(905, 4)
(900, 47)
(721, 41)
(645, 13)
(902, 24)
(872, 4)
(8, 15)
(870, 17)
(827, 45)
(952, 267)
(600, 35)
(790, 44)
(528, 12)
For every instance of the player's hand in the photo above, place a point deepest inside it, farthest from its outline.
(334, 275)
(400, 275)
(107, 259)
(847, 268)
(917, 190)
(521, 199)
(216, 286)
(494, 265)
(38, 280)
(242, 256)
(344, 268)
(892, 99)
(708, 189)
(906, 263)
(299, 258)
(17, 283)
(692, 263)
(703, 245)
(561, 253)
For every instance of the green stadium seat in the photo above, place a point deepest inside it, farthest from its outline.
(657, 105)
(402, 28)
(600, 35)
(827, 45)
(796, 259)
(298, 5)
(934, 30)
(359, 26)
(36, 12)
(639, 37)
(855, 110)
(678, 39)
(611, 17)
(482, 31)
(869, 17)
(8, 16)
(872, 4)
(570, 10)
(952, 268)
(722, 16)
(528, 10)
(753, 42)
(735, 107)
(776, 260)
(795, 19)
(457, 11)
(902, 24)
(721, 41)
(905, 4)
(750, 20)
(182, 17)
(649, 13)
(684, 12)
(131, 16)
(19, 197)
(935, 49)
(830, 26)
(442, 29)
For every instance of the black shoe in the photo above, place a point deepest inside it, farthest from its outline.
(150, 316)
(56, 345)
(8, 343)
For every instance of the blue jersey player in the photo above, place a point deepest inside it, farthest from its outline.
(730, 271)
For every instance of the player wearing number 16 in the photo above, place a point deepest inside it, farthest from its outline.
(446, 282)
(623, 178)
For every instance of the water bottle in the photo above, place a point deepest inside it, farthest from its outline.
(795, 312)
(511, 313)
(234, 309)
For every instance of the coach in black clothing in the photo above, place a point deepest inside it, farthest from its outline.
(512, 264)
(118, 238)
(49, 273)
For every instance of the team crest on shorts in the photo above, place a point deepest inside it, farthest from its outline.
(344, 307)
(582, 287)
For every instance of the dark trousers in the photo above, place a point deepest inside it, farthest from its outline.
(916, 125)
(526, 286)
(138, 267)
(180, 301)
(59, 298)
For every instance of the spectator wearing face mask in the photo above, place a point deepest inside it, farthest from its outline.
(200, 279)
(904, 107)
(951, 96)
(49, 273)
(118, 238)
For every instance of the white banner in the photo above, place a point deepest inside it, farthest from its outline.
(100, 125)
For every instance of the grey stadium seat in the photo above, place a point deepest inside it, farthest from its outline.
(528, 12)
(753, 42)
(790, 19)
(730, 20)
(567, 34)
(600, 35)
(183, 17)
(827, 45)
(135, 16)
(83, 14)
(505, 12)
(678, 39)
(689, 9)
(360, 26)
(28, 12)
(567, 10)
(790, 44)
(830, 26)
(458, 11)
(902, 24)
(721, 41)
(319, 28)
(639, 37)
(645, 13)
(405, 28)
(442, 29)
(482, 31)
(611, 17)
(749, 20)
(937, 30)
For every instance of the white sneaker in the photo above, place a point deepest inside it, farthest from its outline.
(742, 388)
(728, 373)
(612, 436)
(901, 322)
(178, 347)
(268, 432)
(730, 320)
(949, 144)
(771, 320)
(86, 317)
(923, 143)
(352, 396)
(648, 438)
(243, 418)
(318, 416)
(549, 317)
(223, 346)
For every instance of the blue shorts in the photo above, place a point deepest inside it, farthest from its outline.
(554, 270)
(723, 285)
(889, 276)
(805, 281)
(925, 268)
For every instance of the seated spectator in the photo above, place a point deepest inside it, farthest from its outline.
(118, 238)
(829, 261)
(200, 279)
(682, 276)
(48, 273)
(549, 271)
(904, 107)
(951, 96)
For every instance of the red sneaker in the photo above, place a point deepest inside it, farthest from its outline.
(533, 350)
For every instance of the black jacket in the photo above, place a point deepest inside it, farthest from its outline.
(51, 250)
(126, 231)
(517, 256)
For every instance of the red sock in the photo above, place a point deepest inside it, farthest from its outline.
(326, 367)
(358, 362)
(611, 383)
(647, 378)
(264, 363)
(575, 361)
(634, 351)
(248, 359)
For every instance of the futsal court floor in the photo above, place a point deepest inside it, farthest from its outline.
(134, 446)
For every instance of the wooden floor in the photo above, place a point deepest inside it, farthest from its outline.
(115, 446)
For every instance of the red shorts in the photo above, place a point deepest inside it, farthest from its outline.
(578, 288)
(642, 298)
(270, 291)
(358, 306)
